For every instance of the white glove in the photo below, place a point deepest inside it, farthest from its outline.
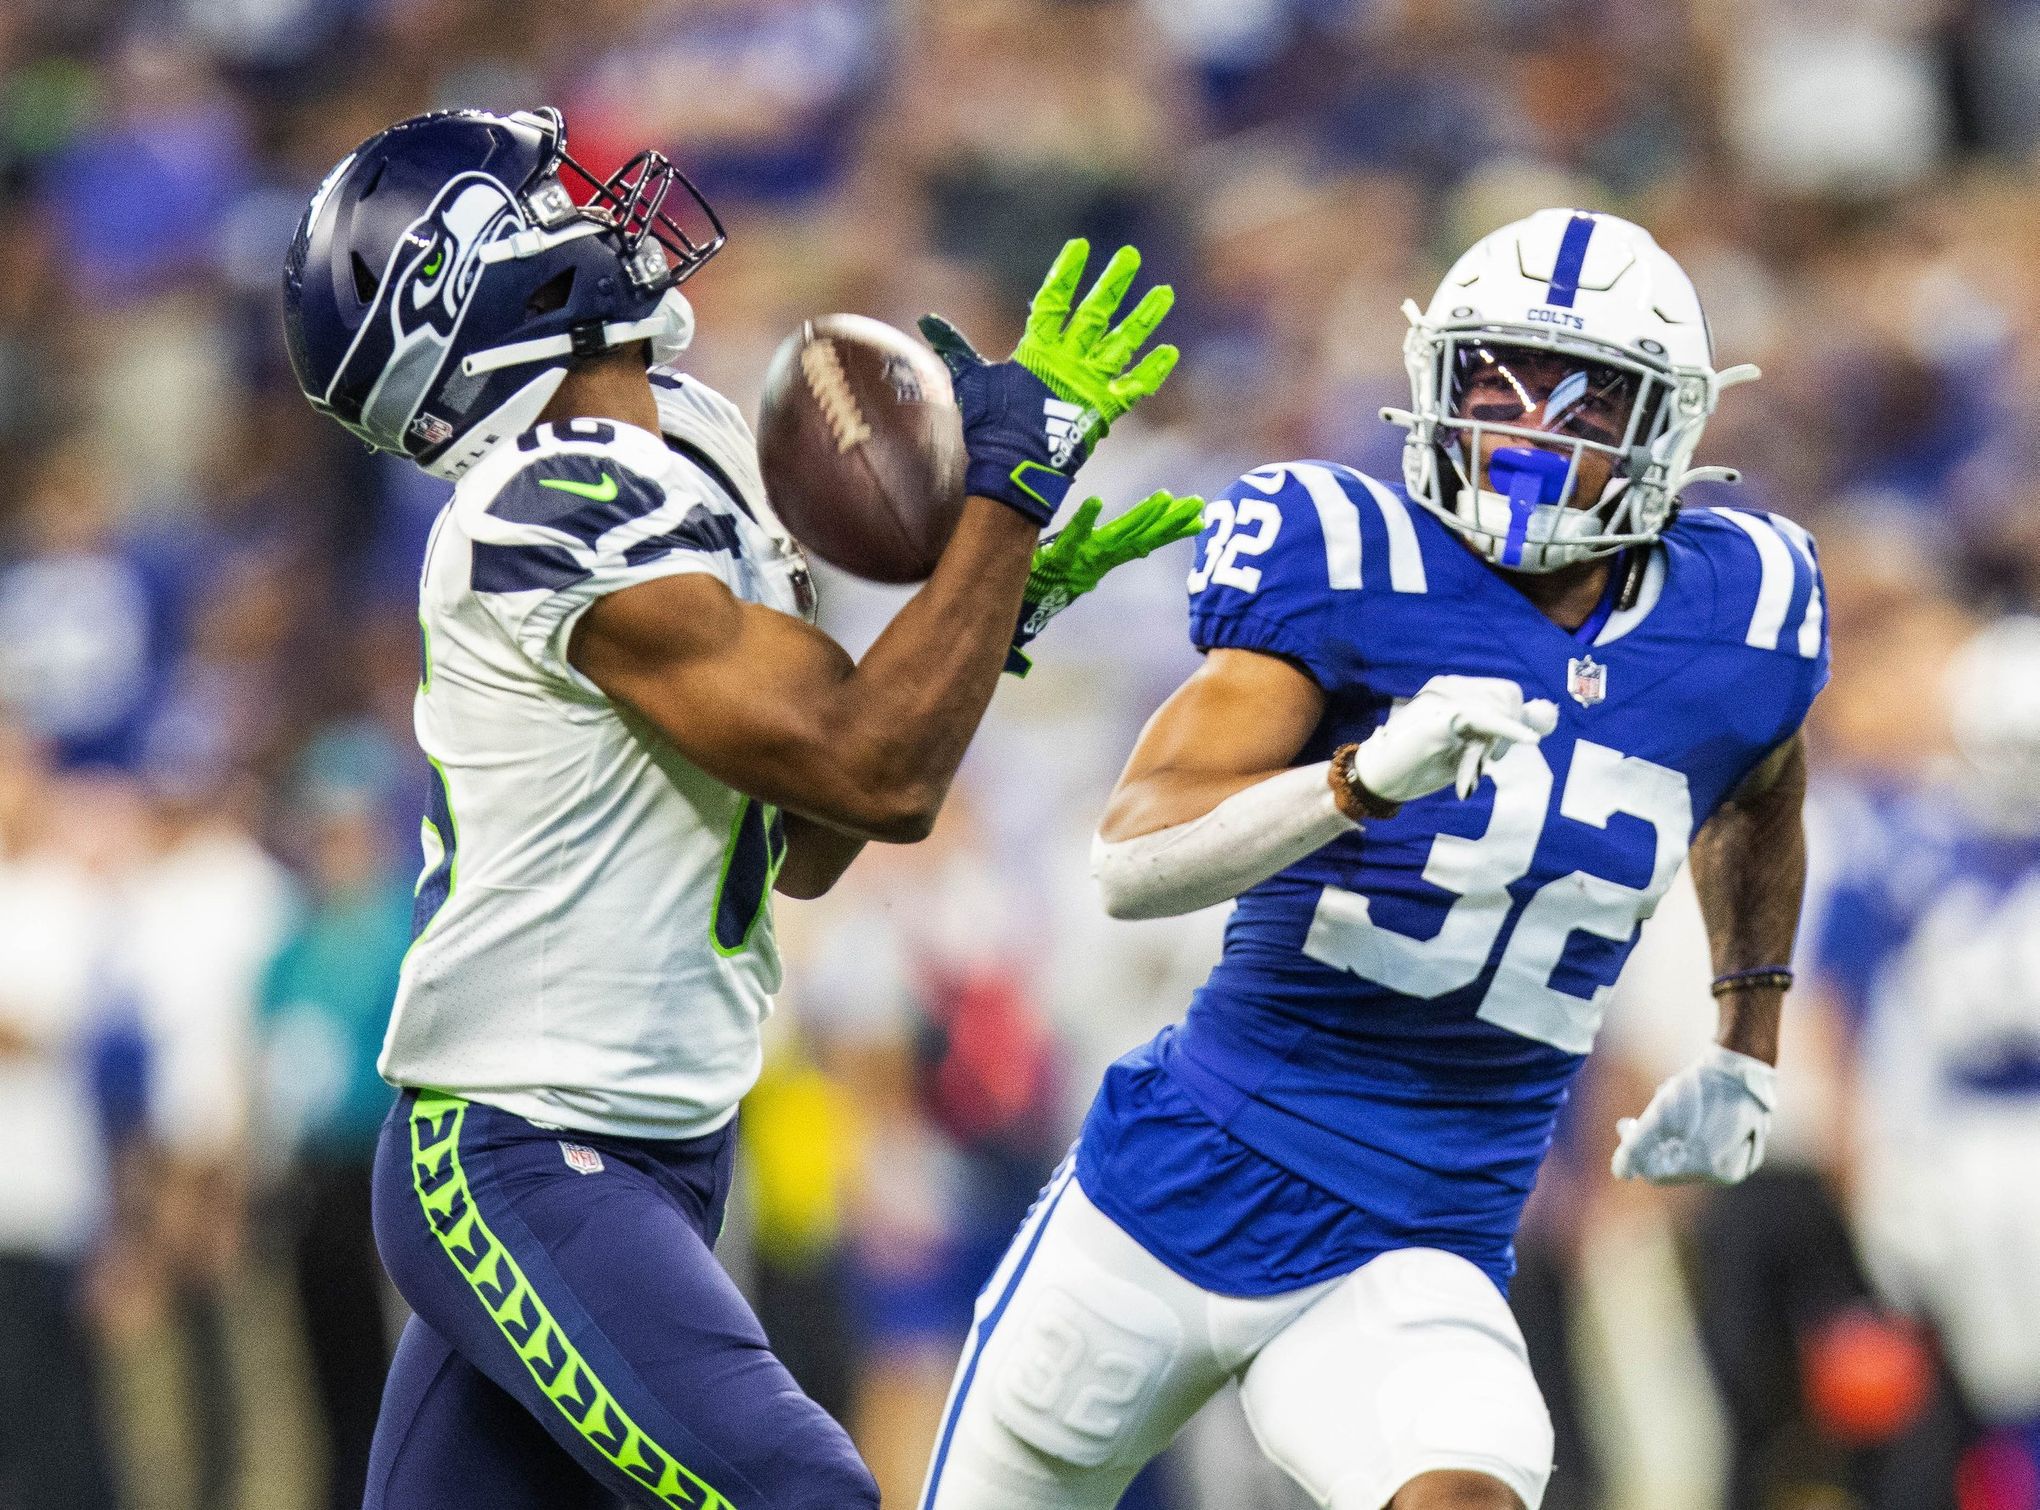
(1452, 728)
(1708, 1122)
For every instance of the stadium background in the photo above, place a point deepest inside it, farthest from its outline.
(207, 650)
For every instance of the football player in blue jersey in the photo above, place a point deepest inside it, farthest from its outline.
(1931, 941)
(1449, 745)
(636, 735)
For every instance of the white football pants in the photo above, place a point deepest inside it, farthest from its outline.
(1089, 1354)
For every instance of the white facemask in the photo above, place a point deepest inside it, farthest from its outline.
(1535, 531)
(1547, 539)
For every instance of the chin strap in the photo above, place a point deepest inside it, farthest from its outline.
(669, 327)
(1633, 566)
(538, 239)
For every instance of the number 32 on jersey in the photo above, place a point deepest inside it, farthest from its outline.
(1479, 872)
(1246, 527)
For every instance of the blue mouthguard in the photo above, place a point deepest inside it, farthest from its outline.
(1531, 478)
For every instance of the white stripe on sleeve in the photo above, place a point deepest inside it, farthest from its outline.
(1809, 627)
(1774, 586)
(1339, 518)
(1405, 556)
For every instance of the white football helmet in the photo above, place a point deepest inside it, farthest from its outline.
(1993, 692)
(1565, 334)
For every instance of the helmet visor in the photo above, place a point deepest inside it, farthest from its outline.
(1553, 392)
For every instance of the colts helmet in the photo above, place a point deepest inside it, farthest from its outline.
(1564, 335)
(450, 269)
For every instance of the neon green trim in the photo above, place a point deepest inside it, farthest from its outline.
(453, 847)
(772, 863)
(446, 849)
(425, 636)
(729, 855)
(427, 826)
(555, 1365)
(1020, 482)
(600, 492)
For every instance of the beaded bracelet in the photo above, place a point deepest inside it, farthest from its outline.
(1761, 978)
(1353, 799)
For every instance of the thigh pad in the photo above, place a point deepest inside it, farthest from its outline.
(1079, 1367)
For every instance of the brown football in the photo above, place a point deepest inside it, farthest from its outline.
(862, 447)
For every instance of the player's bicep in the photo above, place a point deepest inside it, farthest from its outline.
(740, 690)
(1242, 717)
(1786, 763)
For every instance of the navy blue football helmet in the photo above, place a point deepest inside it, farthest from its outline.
(444, 277)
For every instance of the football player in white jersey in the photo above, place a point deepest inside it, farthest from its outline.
(1451, 743)
(635, 735)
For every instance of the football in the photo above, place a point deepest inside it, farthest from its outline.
(862, 447)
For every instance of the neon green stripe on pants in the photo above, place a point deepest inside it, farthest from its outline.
(559, 1370)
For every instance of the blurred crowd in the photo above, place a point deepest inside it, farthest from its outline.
(209, 801)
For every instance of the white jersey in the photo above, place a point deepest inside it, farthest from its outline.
(594, 942)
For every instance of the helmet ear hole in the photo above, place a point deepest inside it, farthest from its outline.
(364, 280)
(551, 295)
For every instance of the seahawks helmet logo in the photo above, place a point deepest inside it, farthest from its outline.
(425, 294)
(435, 288)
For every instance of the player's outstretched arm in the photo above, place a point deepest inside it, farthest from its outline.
(775, 708)
(1711, 1120)
(1211, 802)
(1241, 718)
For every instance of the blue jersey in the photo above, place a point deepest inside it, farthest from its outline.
(1380, 1055)
(1926, 941)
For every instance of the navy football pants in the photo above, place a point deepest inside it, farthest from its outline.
(575, 1341)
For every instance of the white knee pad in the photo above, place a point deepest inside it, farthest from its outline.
(1410, 1364)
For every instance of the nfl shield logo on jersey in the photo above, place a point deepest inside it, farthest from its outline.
(1586, 679)
(581, 1159)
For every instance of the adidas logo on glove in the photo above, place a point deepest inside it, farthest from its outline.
(1066, 425)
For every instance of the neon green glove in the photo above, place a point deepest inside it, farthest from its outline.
(1028, 423)
(1075, 354)
(1078, 557)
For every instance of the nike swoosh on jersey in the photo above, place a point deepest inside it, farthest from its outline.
(600, 492)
